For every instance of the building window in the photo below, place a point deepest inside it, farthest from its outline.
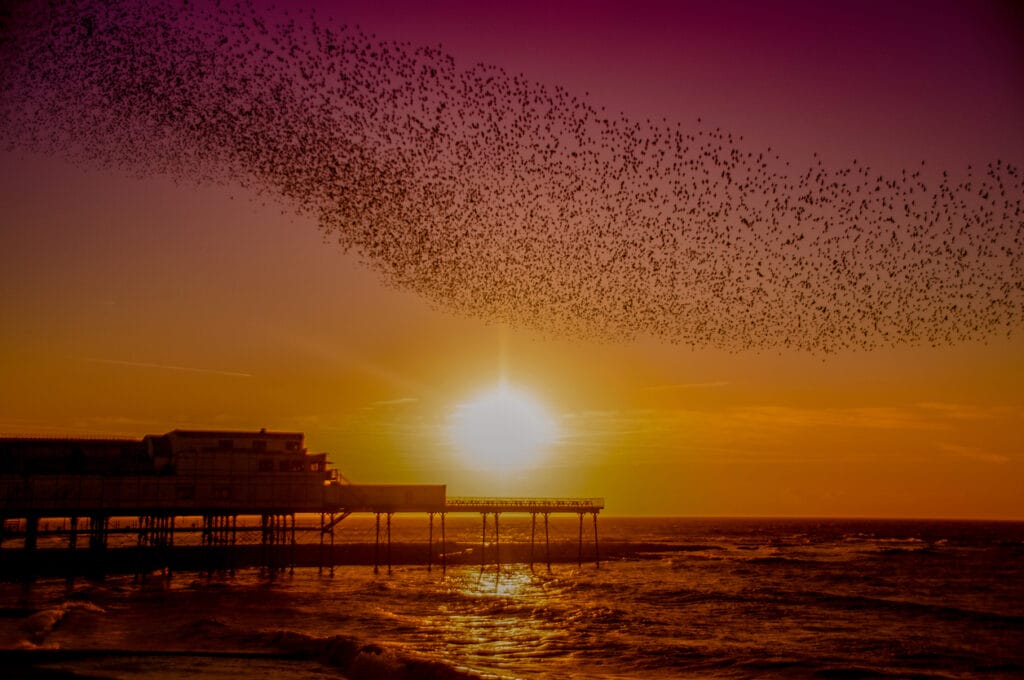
(259, 445)
(266, 465)
(222, 493)
(284, 466)
(185, 492)
(291, 446)
(225, 444)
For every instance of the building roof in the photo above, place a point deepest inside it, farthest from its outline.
(210, 434)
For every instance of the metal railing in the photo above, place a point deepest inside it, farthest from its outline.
(471, 504)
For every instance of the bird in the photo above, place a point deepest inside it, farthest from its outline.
(512, 201)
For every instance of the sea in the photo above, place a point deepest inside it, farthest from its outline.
(671, 598)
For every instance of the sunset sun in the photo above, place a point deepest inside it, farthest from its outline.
(502, 428)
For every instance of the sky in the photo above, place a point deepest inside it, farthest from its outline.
(134, 302)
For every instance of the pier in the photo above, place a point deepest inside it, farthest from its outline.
(220, 485)
(544, 507)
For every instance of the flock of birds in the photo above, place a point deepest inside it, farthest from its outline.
(514, 202)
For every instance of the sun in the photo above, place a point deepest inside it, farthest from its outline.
(503, 428)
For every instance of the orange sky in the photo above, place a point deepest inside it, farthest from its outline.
(138, 305)
(226, 314)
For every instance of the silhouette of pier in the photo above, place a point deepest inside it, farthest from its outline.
(184, 483)
(544, 507)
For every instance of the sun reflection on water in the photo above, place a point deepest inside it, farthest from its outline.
(504, 582)
(498, 615)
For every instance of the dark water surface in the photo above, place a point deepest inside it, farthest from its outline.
(694, 598)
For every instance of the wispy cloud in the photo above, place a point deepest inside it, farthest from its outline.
(759, 429)
(394, 402)
(974, 453)
(687, 386)
(961, 411)
(166, 367)
(863, 417)
(90, 426)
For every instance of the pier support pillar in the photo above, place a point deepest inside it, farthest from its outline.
(376, 547)
(234, 542)
(98, 533)
(291, 558)
(327, 523)
(547, 542)
(389, 541)
(31, 534)
(170, 545)
(31, 541)
(579, 554)
(597, 547)
(219, 536)
(72, 545)
(264, 540)
(483, 540)
(430, 543)
(274, 532)
(98, 525)
(444, 547)
(141, 542)
(533, 535)
(320, 552)
(206, 541)
(497, 541)
(153, 543)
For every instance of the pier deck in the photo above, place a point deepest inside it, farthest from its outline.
(524, 505)
(218, 477)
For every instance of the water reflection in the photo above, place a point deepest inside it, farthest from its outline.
(491, 618)
(503, 582)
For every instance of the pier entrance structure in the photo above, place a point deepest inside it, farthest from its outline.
(212, 478)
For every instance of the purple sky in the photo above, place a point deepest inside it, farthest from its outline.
(888, 83)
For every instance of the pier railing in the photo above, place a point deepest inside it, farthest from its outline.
(531, 505)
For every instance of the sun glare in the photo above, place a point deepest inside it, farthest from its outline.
(504, 428)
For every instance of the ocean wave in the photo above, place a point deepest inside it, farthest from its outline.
(687, 596)
(899, 551)
(38, 626)
(355, 658)
(783, 559)
(767, 596)
(597, 615)
(849, 603)
(547, 612)
(214, 637)
(863, 602)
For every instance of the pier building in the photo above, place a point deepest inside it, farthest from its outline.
(215, 477)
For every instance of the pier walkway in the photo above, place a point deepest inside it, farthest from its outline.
(523, 505)
(545, 507)
(212, 479)
(533, 506)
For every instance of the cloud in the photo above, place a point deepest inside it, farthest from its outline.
(687, 386)
(861, 417)
(759, 429)
(961, 411)
(974, 453)
(394, 402)
(166, 367)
